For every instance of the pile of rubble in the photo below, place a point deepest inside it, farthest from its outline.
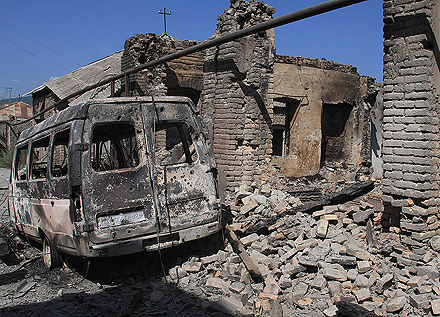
(313, 263)
(336, 260)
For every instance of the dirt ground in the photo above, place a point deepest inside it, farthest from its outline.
(122, 286)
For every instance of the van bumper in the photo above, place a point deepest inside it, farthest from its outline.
(150, 242)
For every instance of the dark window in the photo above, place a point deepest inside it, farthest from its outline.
(278, 141)
(333, 123)
(21, 163)
(60, 154)
(114, 146)
(283, 114)
(174, 144)
(39, 156)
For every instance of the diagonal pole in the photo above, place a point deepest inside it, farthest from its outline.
(285, 19)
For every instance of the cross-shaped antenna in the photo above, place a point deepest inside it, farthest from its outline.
(165, 13)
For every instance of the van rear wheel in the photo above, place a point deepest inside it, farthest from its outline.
(51, 258)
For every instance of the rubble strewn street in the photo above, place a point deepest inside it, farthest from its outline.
(331, 261)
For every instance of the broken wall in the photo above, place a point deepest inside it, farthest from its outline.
(331, 123)
(301, 113)
(180, 77)
(238, 77)
(411, 126)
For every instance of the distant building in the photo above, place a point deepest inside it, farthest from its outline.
(12, 113)
(55, 90)
(16, 109)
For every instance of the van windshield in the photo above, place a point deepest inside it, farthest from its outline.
(114, 146)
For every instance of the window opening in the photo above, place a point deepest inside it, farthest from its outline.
(114, 146)
(39, 157)
(21, 163)
(193, 94)
(60, 154)
(333, 123)
(283, 113)
(174, 144)
(278, 140)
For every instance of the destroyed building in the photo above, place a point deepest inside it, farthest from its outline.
(262, 108)
(181, 77)
(307, 117)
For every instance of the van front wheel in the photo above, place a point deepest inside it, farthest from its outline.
(51, 258)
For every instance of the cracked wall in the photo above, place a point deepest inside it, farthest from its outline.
(330, 96)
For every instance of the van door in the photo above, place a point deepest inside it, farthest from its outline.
(186, 186)
(116, 186)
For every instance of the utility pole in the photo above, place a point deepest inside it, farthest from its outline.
(165, 13)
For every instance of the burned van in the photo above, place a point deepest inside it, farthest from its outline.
(115, 176)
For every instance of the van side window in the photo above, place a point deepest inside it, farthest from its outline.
(114, 146)
(21, 163)
(60, 154)
(39, 156)
(174, 144)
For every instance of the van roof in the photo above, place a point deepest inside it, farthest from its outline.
(79, 111)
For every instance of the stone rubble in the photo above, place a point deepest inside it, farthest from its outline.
(315, 262)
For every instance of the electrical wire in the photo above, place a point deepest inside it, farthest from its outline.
(33, 54)
(85, 275)
(48, 48)
(101, 88)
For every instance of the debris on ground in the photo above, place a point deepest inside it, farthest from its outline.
(322, 260)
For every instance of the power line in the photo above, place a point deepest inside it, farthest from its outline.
(48, 48)
(34, 54)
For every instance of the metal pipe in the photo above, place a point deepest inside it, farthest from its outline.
(282, 20)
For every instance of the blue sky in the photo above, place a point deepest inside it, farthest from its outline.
(76, 33)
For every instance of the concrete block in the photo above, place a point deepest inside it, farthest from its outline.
(321, 228)
(396, 304)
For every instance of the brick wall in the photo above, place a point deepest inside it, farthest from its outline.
(183, 76)
(237, 79)
(411, 126)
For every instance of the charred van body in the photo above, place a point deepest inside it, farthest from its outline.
(116, 176)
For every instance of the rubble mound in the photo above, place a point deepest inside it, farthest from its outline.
(336, 260)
